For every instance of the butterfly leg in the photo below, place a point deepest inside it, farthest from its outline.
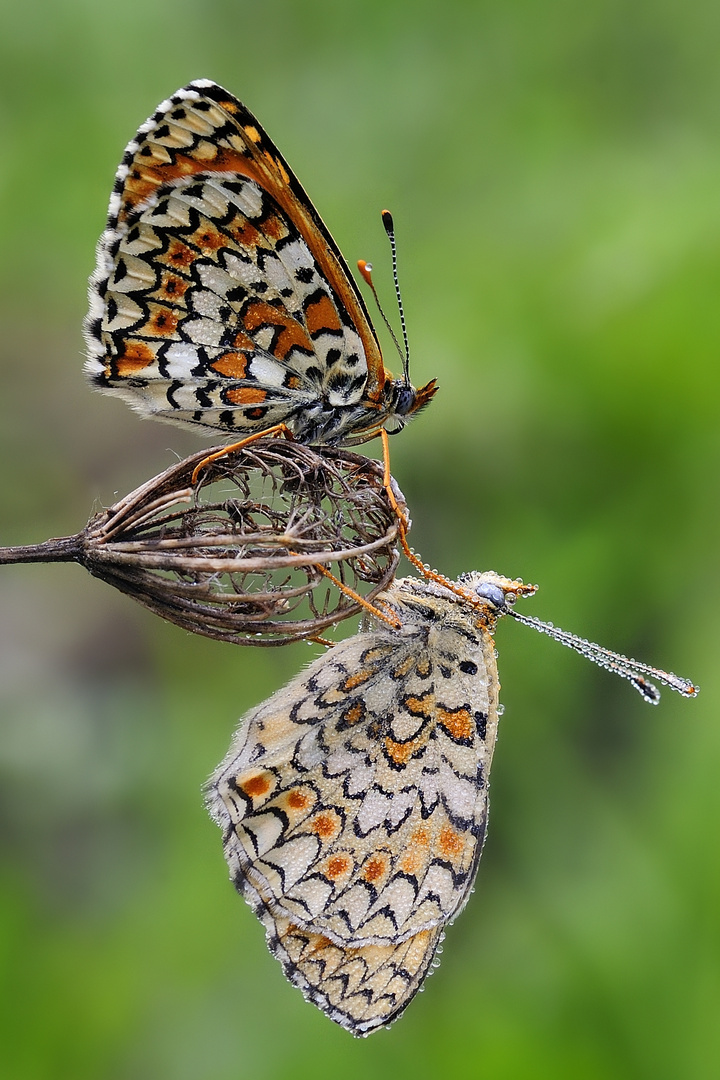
(425, 570)
(376, 613)
(322, 641)
(403, 521)
(277, 430)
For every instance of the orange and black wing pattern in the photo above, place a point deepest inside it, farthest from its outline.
(220, 298)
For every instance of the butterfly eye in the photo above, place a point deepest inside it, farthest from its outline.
(491, 592)
(405, 399)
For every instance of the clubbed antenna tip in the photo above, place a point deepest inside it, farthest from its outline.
(365, 269)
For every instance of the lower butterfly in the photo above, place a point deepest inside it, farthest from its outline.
(354, 802)
(221, 300)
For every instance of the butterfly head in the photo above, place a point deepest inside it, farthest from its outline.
(400, 398)
(498, 591)
(403, 401)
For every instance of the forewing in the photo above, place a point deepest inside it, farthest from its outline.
(219, 297)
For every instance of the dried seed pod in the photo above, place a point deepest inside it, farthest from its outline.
(238, 553)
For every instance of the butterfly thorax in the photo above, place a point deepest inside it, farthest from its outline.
(328, 424)
(475, 598)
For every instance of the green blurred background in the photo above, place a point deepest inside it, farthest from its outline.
(554, 171)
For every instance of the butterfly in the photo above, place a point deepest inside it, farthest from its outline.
(354, 802)
(221, 300)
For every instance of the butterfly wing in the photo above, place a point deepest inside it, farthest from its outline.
(354, 804)
(220, 298)
(362, 988)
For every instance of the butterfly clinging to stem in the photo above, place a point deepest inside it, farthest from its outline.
(221, 300)
(354, 801)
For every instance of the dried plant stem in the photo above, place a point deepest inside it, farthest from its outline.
(243, 553)
(62, 549)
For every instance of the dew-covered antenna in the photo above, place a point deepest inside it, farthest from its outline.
(624, 666)
(365, 269)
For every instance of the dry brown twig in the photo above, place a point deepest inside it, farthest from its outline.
(237, 555)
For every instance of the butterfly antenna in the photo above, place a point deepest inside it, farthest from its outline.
(387, 221)
(365, 269)
(624, 666)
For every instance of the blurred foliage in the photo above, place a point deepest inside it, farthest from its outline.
(554, 171)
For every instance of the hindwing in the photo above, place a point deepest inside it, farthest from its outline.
(354, 805)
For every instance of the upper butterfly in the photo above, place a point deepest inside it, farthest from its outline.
(221, 300)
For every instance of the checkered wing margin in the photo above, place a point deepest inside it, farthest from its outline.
(220, 298)
(354, 804)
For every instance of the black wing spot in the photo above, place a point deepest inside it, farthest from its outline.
(481, 724)
(197, 190)
(236, 295)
